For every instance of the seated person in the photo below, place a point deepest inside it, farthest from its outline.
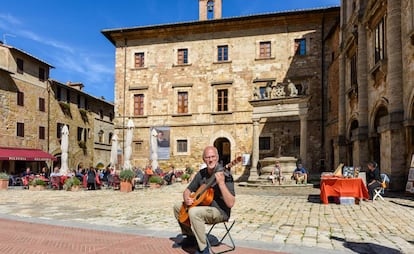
(276, 173)
(300, 174)
(56, 172)
(170, 176)
(373, 178)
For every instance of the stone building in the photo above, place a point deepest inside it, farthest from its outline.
(89, 120)
(23, 111)
(251, 85)
(376, 95)
(35, 107)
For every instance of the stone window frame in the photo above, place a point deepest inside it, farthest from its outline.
(135, 54)
(271, 143)
(216, 87)
(272, 49)
(178, 88)
(177, 139)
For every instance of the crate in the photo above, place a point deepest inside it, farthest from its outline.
(347, 200)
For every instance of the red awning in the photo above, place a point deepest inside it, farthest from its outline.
(18, 154)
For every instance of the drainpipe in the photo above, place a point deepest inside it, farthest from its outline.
(124, 110)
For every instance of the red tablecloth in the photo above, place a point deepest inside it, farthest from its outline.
(342, 187)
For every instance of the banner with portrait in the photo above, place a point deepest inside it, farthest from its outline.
(162, 142)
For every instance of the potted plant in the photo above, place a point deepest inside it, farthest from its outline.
(185, 177)
(4, 181)
(37, 184)
(126, 177)
(156, 181)
(72, 184)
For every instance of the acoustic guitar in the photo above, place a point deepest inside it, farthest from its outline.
(204, 194)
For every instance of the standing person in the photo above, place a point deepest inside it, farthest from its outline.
(217, 211)
(373, 178)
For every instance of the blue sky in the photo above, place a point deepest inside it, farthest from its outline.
(67, 33)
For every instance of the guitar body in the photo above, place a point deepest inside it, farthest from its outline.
(203, 196)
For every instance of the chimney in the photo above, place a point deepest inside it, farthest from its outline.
(79, 86)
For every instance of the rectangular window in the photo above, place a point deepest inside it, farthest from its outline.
(20, 65)
(300, 47)
(265, 49)
(354, 81)
(380, 41)
(138, 104)
(182, 102)
(264, 143)
(42, 104)
(139, 60)
(42, 74)
(182, 56)
(59, 127)
(20, 98)
(42, 132)
(222, 53)
(20, 129)
(80, 132)
(182, 145)
(296, 141)
(222, 100)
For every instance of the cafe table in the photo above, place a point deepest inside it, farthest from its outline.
(333, 186)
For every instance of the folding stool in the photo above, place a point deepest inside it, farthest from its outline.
(230, 246)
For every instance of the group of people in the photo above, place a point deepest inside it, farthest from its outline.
(299, 174)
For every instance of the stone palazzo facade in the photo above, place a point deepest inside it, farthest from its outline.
(375, 93)
(250, 86)
(325, 86)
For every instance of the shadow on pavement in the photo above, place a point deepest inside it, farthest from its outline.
(366, 248)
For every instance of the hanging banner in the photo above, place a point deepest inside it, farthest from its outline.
(162, 142)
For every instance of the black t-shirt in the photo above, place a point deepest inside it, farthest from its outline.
(202, 177)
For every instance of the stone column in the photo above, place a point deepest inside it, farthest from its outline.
(362, 79)
(303, 138)
(394, 54)
(393, 134)
(341, 139)
(255, 151)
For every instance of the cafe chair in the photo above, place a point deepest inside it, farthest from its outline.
(55, 182)
(381, 190)
(213, 243)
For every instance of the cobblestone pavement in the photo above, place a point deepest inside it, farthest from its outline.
(287, 219)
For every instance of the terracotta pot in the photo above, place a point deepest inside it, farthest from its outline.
(125, 186)
(4, 184)
(37, 187)
(155, 185)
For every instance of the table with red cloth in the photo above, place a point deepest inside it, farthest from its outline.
(342, 187)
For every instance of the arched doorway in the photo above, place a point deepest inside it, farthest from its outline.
(224, 150)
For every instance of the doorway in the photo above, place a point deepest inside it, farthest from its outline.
(224, 150)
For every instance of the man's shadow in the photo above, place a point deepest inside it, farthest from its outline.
(177, 240)
(366, 248)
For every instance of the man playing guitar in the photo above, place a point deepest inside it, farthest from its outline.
(217, 211)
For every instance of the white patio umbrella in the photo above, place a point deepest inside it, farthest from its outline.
(64, 146)
(154, 149)
(128, 144)
(114, 151)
